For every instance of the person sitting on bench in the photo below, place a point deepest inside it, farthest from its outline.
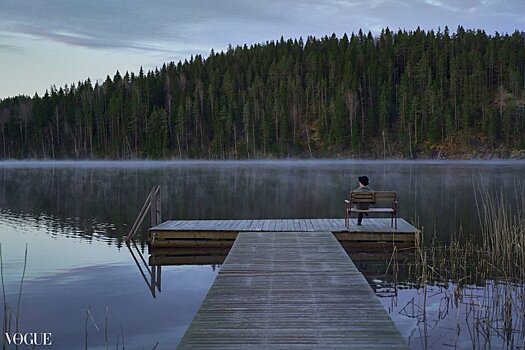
(363, 187)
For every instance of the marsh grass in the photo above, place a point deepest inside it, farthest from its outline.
(9, 318)
(5, 318)
(476, 281)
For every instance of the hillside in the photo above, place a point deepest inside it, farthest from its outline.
(399, 95)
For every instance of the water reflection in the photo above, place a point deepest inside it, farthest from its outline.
(188, 256)
(151, 271)
(451, 315)
(73, 216)
(443, 313)
(429, 316)
(67, 275)
(100, 200)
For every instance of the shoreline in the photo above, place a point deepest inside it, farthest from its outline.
(146, 163)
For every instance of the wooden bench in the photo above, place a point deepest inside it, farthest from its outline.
(381, 201)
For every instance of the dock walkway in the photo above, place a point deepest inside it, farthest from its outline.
(302, 225)
(374, 234)
(298, 290)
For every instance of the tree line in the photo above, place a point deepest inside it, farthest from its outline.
(397, 93)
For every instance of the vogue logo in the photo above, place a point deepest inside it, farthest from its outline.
(34, 339)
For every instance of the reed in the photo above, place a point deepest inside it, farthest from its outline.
(11, 317)
(17, 318)
(503, 231)
(5, 319)
(90, 320)
(480, 278)
(8, 319)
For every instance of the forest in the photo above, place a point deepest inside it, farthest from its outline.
(404, 94)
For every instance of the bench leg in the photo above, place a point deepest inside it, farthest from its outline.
(393, 220)
(348, 214)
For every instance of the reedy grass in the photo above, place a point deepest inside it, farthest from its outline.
(486, 273)
(8, 316)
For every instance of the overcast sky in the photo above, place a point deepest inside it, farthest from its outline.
(44, 42)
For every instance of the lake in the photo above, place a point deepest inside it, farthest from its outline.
(81, 283)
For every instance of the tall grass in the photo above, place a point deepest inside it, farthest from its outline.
(479, 279)
(5, 319)
(11, 317)
(497, 252)
(503, 232)
(8, 315)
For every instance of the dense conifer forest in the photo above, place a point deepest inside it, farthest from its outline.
(401, 94)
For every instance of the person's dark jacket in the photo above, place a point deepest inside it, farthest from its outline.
(363, 206)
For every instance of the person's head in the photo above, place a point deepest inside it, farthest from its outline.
(363, 180)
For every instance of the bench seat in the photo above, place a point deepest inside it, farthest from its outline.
(373, 210)
(381, 201)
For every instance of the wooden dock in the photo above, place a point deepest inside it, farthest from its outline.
(375, 233)
(290, 290)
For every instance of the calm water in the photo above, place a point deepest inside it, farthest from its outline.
(82, 283)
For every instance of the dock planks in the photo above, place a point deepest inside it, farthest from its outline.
(297, 290)
(300, 225)
(375, 233)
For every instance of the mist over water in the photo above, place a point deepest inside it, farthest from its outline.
(72, 217)
(100, 199)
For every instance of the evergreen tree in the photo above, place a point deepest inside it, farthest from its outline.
(401, 91)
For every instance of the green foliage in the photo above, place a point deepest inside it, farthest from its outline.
(157, 134)
(287, 98)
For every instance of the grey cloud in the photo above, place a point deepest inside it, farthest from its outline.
(126, 24)
(451, 5)
(169, 28)
(492, 8)
(11, 48)
(91, 24)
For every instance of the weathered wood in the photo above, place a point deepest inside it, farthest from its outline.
(201, 233)
(376, 246)
(374, 237)
(186, 260)
(376, 198)
(151, 203)
(290, 290)
(191, 243)
(189, 251)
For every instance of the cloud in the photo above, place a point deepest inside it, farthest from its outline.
(491, 8)
(11, 48)
(90, 24)
(171, 28)
(130, 24)
(78, 38)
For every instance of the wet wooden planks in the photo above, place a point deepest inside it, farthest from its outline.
(374, 234)
(303, 225)
(290, 291)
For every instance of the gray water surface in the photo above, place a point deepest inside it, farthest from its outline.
(82, 283)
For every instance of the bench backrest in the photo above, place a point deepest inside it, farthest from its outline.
(385, 196)
(362, 197)
(373, 197)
